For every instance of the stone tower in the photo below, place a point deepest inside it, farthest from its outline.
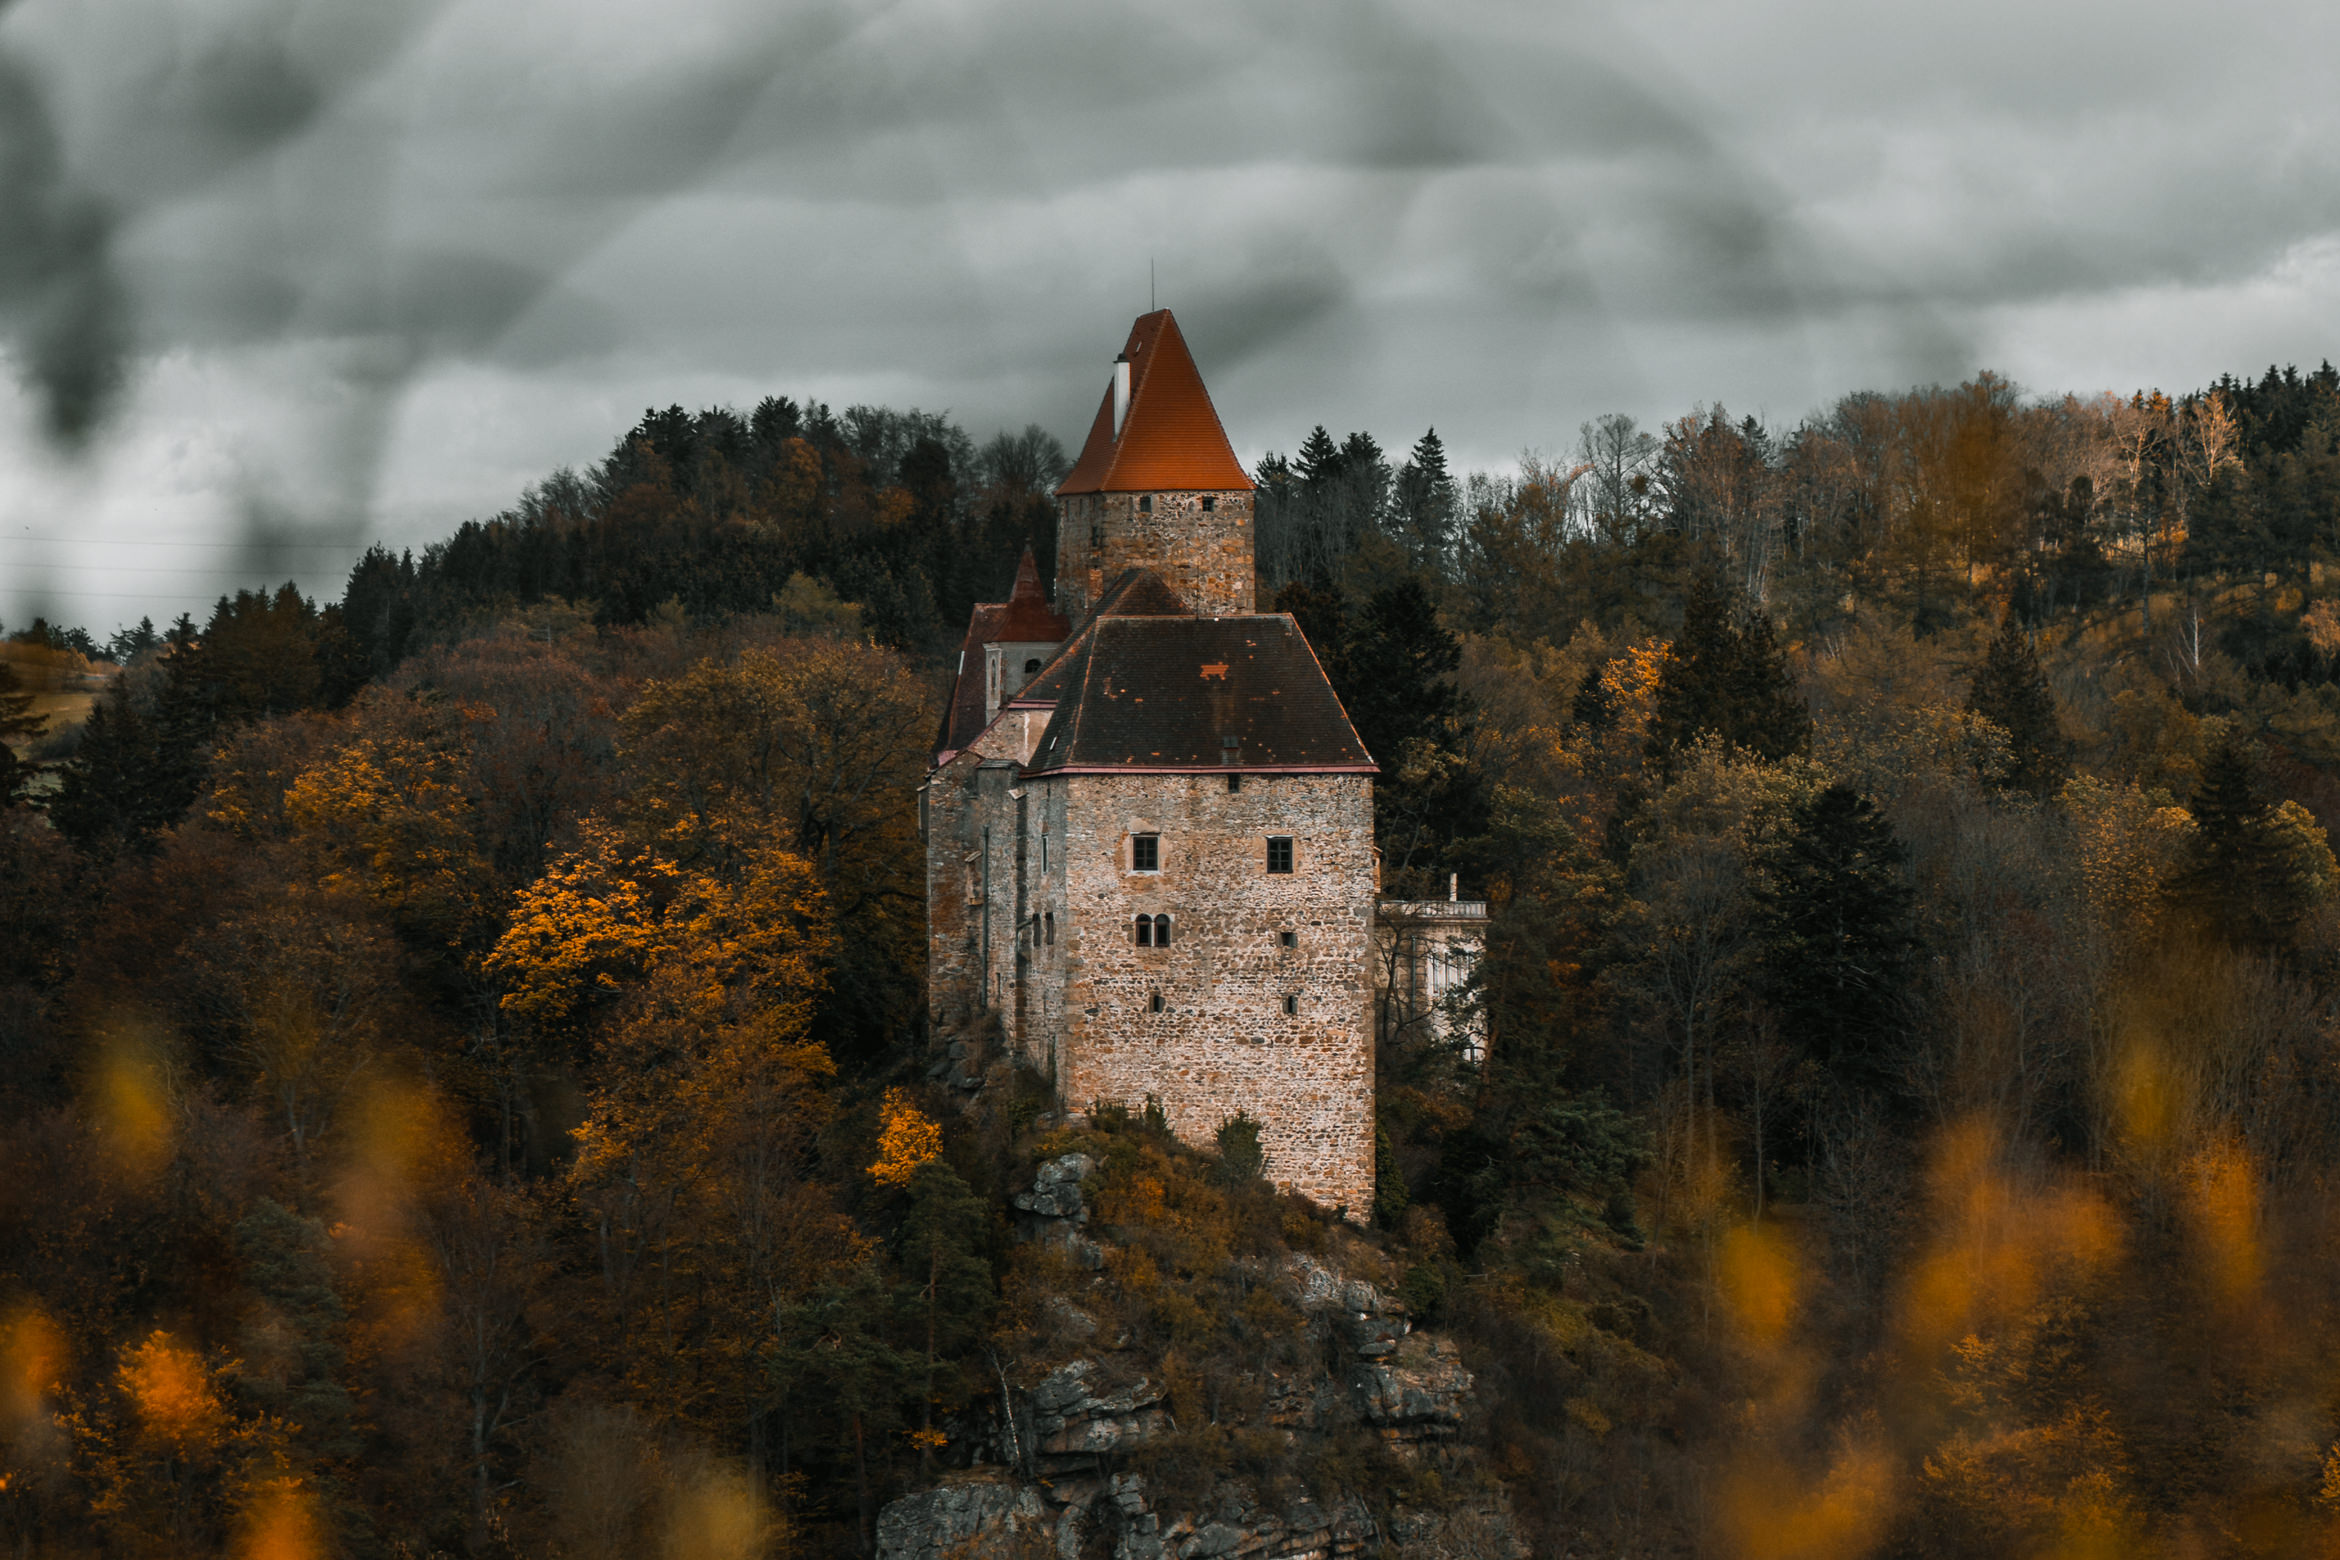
(1157, 486)
(1149, 825)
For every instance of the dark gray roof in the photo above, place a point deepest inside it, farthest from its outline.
(1169, 692)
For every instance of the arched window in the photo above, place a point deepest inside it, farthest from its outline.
(1153, 931)
(1145, 931)
(1161, 931)
(1154, 1002)
(1031, 665)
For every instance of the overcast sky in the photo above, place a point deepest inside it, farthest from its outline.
(281, 277)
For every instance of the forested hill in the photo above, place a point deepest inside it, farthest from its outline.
(464, 1086)
(712, 514)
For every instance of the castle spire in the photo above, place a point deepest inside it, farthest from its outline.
(1166, 436)
(1027, 592)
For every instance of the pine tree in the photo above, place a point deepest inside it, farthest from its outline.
(1836, 939)
(1319, 460)
(1767, 710)
(129, 644)
(2242, 875)
(1426, 499)
(1398, 685)
(1401, 663)
(1728, 680)
(2011, 692)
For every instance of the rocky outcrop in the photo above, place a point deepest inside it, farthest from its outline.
(966, 1520)
(1071, 1518)
(1072, 1423)
(1054, 1210)
(1238, 1526)
(1369, 1320)
(1418, 1392)
(1064, 1432)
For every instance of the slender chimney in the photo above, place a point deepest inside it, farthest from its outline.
(1453, 887)
(1120, 392)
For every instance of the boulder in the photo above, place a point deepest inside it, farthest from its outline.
(1056, 1190)
(1419, 1391)
(1072, 1423)
(960, 1520)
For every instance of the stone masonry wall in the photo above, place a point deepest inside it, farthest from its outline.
(965, 798)
(1222, 1042)
(1206, 557)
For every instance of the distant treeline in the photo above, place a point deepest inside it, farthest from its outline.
(711, 514)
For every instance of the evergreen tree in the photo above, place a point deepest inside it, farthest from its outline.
(1426, 500)
(1430, 802)
(1728, 680)
(1319, 460)
(1400, 663)
(1323, 616)
(17, 724)
(2242, 875)
(946, 1281)
(126, 781)
(2011, 692)
(1836, 941)
(129, 644)
(1768, 710)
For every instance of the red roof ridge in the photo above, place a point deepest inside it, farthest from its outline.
(1171, 438)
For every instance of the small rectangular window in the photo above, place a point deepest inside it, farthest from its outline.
(1145, 853)
(1155, 1002)
(1291, 1007)
(1288, 939)
(1279, 852)
(1044, 850)
(1234, 784)
(1209, 503)
(1048, 928)
(1145, 931)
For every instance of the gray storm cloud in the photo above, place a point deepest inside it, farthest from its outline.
(279, 230)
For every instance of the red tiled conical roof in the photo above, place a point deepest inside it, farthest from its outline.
(1170, 440)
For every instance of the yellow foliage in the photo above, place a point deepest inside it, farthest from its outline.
(1769, 1511)
(130, 1097)
(32, 1361)
(589, 924)
(281, 1524)
(386, 815)
(2222, 1208)
(2126, 847)
(2309, 847)
(1758, 1278)
(1996, 1245)
(719, 1514)
(172, 1392)
(907, 1139)
(609, 917)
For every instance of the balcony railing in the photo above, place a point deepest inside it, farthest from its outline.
(1433, 910)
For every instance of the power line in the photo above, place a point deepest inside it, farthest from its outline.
(223, 569)
(107, 595)
(136, 541)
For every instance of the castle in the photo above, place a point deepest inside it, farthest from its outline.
(1149, 825)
